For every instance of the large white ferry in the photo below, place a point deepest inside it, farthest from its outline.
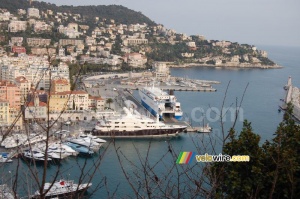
(160, 102)
(133, 124)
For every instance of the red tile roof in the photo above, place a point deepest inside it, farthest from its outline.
(31, 104)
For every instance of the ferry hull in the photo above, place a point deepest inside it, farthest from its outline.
(152, 105)
(139, 134)
(152, 111)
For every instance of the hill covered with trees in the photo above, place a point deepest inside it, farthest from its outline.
(119, 13)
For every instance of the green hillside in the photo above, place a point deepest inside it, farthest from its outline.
(119, 13)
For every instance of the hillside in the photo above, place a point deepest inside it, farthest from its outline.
(119, 13)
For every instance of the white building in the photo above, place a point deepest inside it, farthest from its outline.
(161, 70)
(35, 70)
(71, 31)
(191, 44)
(33, 12)
(38, 42)
(35, 110)
(135, 60)
(187, 55)
(17, 26)
(16, 41)
(134, 41)
(5, 16)
(41, 26)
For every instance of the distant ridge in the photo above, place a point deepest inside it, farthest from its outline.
(119, 13)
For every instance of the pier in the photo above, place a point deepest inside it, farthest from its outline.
(292, 96)
(135, 81)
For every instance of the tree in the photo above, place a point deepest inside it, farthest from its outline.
(273, 170)
(241, 179)
(109, 101)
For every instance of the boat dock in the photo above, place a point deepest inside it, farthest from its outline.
(162, 87)
(292, 96)
(138, 81)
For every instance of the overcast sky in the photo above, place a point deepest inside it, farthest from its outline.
(257, 22)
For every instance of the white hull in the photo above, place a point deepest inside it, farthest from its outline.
(159, 102)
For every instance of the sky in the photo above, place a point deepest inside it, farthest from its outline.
(255, 22)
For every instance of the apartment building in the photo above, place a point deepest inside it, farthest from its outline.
(10, 92)
(74, 42)
(135, 60)
(33, 12)
(96, 103)
(38, 42)
(24, 86)
(68, 100)
(17, 26)
(60, 85)
(35, 109)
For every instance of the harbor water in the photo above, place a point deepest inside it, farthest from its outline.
(259, 106)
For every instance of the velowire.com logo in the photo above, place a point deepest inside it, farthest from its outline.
(187, 157)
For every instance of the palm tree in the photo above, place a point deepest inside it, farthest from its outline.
(109, 101)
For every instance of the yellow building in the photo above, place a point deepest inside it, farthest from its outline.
(15, 118)
(9, 116)
(58, 101)
(68, 100)
(60, 85)
(4, 113)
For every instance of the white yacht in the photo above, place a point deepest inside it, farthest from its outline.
(92, 138)
(135, 125)
(34, 138)
(55, 150)
(62, 189)
(205, 129)
(35, 155)
(88, 143)
(14, 141)
(160, 102)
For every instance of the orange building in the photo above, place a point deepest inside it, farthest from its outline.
(10, 103)
(10, 92)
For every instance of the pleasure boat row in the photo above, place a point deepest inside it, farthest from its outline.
(86, 144)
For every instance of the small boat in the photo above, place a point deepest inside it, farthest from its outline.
(79, 148)
(13, 141)
(62, 189)
(204, 129)
(57, 150)
(34, 138)
(4, 158)
(62, 148)
(91, 137)
(35, 155)
(86, 142)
